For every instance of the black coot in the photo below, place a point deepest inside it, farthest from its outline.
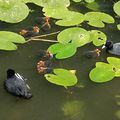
(16, 85)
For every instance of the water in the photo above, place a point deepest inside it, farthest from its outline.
(85, 101)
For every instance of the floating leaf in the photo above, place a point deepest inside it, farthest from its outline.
(78, 36)
(63, 50)
(62, 77)
(77, 0)
(71, 19)
(117, 8)
(118, 26)
(114, 61)
(55, 12)
(97, 37)
(51, 3)
(13, 12)
(99, 20)
(102, 73)
(89, 1)
(8, 38)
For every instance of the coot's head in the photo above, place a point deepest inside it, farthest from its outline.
(108, 45)
(10, 73)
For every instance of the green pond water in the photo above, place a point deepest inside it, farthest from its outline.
(85, 101)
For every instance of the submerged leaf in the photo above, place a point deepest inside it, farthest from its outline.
(62, 77)
(63, 50)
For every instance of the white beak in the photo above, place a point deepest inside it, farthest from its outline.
(103, 46)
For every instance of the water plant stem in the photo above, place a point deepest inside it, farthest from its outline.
(45, 35)
(45, 40)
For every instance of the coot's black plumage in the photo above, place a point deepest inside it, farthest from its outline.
(16, 85)
(112, 48)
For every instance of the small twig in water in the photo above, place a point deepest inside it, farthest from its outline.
(45, 35)
(45, 40)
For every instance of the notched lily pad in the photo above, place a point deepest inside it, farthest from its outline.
(63, 50)
(78, 36)
(7, 40)
(97, 19)
(97, 37)
(71, 19)
(62, 77)
(103, 72)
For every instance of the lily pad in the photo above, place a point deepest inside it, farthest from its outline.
(102, 73)
(117, 8)
(13, 12)
(98, 21)
(118, 26)
(7, 40)
(78, 36)
(77, 0)
(89, 1)
(97, 37)
(114, 61)
(71, 19)
(62, 77)
(52, 3)
(55, 12)
(63, 50)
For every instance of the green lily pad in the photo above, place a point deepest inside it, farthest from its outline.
(55, 12)
(114, 61)
(77, 0)
(101, 75)
(97, 37)
(63, 50)
(7, 40)
(52, 3)
(62, 77)
(71, 19)
(78, 36)
(117, 8)
(13, 12)
(118, 26)
(104, 65)
(99, 20)
(89, 1)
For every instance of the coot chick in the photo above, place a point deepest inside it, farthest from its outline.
(29, 32)
(16, 85)
(93, 54)
(45, 55)
(44, 22)
(112, 48)
(44, 66)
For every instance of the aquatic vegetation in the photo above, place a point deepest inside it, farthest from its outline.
(7, 40)
(104, 72)
(60, 77)
(63, 51)
(13, 11)
(98, 21)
